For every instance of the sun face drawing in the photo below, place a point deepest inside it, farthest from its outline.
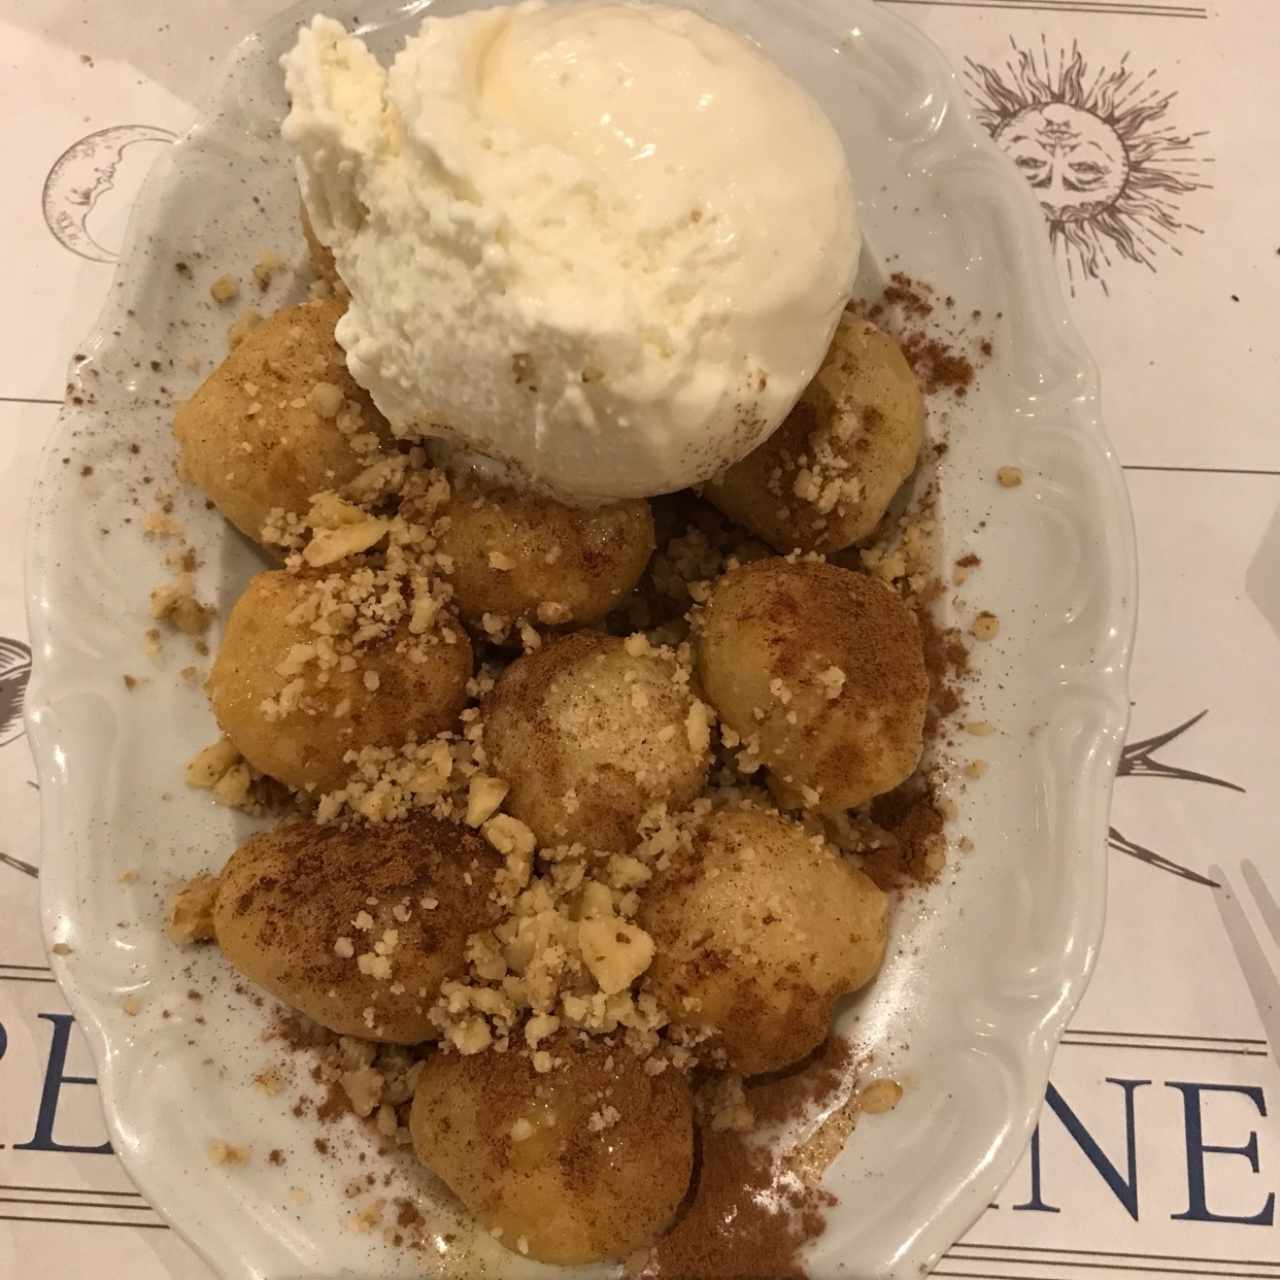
(1109, 173)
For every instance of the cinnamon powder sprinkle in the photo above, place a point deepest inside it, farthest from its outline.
(783, 1096)
(937, 365)
(946, 660)
(911, 817)
(905, 308)
(752, 1212)
(740, 1224)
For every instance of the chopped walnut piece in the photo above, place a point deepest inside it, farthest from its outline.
(270, 1081)
(471, 1035)
(210, 763)
(509, 835)
(530, 640)
(542, 1026)
(223, 1153)
(367, 1219)
(176, 603)
(363, 1088)
(224, 289)
(832, 681)
(697, 727)
(879, 1096)
(235, 788)
(328, 546)
(264, 270)
(727, 1105)
(553, 614)
(484, 798)
(605, 1118)
(160, 524)
(616, 953)
(985, 626)
(326, 399)
(190, 915)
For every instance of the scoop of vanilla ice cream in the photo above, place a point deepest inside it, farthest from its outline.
(603, 244)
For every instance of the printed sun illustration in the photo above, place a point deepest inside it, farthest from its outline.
(1108, 171)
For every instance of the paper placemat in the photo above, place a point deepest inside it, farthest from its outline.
(1144, 129)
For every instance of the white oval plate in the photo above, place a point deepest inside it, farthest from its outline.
(984, 969)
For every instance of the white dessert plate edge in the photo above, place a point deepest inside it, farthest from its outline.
(1002, 949)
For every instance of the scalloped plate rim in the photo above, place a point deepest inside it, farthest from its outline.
(57, 879)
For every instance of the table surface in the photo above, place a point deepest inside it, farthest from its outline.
(1159, 1148)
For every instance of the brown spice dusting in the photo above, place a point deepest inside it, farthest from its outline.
(903, 292)
(946, 659)
(813, 1084)
(728, 1231)
(936, 365)
(407, 1214)
(905, 309)
(335, 1104)
(299, 1032)
(911, 817)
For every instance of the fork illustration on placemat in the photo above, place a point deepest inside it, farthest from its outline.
(1138, 760)
(1258, 972)
(15, 671)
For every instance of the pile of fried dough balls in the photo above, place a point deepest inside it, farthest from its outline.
(759, 929)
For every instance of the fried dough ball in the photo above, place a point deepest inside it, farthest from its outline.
(824, 479)
(339, 922)
(586, 1162)
(821, 670)
(519, 555)
(589, 732)
(759, 930)
(318, 252)
(293, 718)
(279, 420)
